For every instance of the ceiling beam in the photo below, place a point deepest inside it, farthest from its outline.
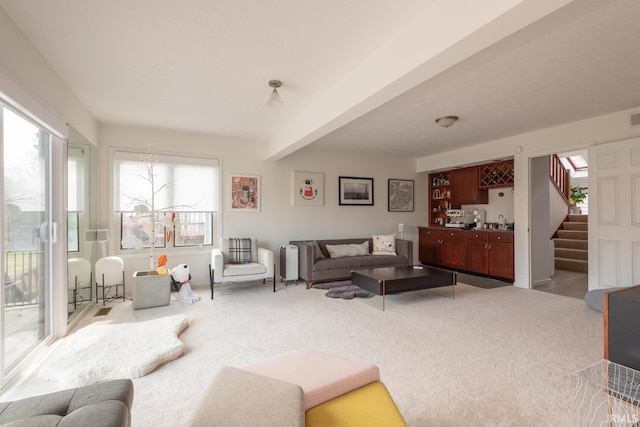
(444, 34)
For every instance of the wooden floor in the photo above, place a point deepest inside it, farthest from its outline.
(572, 284)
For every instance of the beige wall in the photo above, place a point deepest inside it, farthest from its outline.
(278, 222)
(48, 97)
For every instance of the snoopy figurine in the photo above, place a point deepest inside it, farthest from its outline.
(180, 275)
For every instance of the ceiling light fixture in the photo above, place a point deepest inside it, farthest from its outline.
(446, 121)
(274, 100)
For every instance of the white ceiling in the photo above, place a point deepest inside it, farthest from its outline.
(203, 66)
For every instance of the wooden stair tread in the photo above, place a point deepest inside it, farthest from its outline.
(572, 253)
(577, 226)
(571, 246)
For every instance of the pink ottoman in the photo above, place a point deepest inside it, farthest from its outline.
(322, 376)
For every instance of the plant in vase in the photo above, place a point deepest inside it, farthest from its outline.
(576, 195)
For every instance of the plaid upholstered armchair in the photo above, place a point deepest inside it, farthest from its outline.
(241, 260)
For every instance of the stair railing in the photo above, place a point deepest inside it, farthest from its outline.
(559, 176)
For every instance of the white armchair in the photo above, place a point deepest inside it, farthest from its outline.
(109, 274)
(261, 266)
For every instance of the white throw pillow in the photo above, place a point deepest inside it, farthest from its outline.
(354, 249)
(384, 244)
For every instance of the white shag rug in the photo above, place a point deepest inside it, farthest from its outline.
(100, 351)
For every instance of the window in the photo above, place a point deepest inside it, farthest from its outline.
(578, 163)
(182, 191)
(75, 196)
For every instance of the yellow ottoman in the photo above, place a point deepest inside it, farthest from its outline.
(367, 406)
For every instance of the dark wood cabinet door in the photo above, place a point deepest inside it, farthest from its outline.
(477, 252)
(465, 188)
(429, 246)
(454, 249)
(501, 260)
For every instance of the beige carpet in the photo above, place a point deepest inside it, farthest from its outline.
(491, 357)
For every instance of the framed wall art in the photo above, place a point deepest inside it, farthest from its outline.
(308, 189)
(355, 191)
(401, 195)
(244, 193)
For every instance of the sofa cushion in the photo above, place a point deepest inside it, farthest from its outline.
(243, 269)
(319, 253)
(348, 250)
(365, 261)
(384, 244)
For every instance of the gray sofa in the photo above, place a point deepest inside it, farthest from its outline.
(106, 404)
(312, 268)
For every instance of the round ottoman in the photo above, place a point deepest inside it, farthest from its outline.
(594, 298)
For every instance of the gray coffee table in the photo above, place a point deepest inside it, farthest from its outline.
(394, 280)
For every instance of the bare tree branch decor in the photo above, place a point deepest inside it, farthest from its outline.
(144, 207)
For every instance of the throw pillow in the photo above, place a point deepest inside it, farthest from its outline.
(239, 251)
(384, 244)
(353, 249)
(319, 254)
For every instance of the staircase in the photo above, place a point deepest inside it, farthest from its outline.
(571, 244)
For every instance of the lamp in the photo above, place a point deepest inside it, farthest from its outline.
(401, 230)
(446, 121)
(274, 100)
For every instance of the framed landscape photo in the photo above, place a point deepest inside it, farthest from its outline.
(244, 193)
(355, 191)
(308, 189)
(401, 195)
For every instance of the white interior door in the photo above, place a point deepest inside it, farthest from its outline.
(614, 214)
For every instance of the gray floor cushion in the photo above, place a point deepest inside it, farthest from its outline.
(594, 297)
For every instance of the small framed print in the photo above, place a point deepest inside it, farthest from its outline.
(244, 193)
(401, 195)
(355, 191)
(308, 189)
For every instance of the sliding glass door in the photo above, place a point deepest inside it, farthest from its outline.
(28, 233)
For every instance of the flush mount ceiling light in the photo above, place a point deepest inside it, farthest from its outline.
(274, 100)
(446, 121)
